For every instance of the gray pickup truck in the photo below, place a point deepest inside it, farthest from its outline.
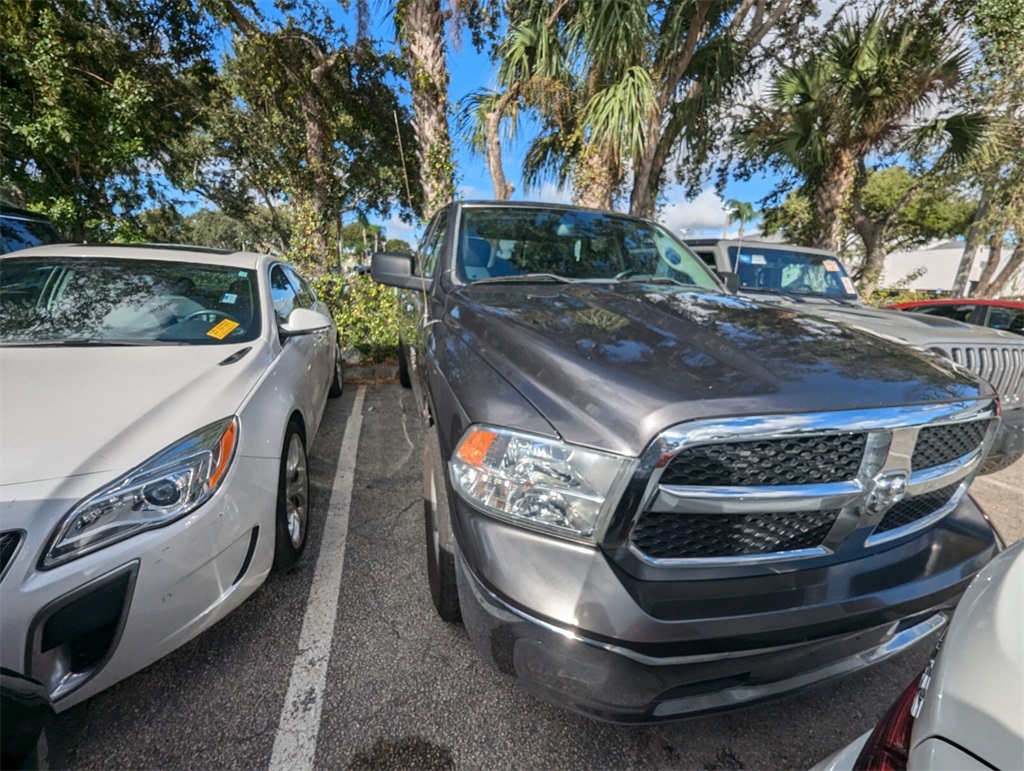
(815, 281)
(647, 497)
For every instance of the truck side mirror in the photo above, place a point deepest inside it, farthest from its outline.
(731, 281)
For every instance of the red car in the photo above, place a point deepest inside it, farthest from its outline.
(1007, 315)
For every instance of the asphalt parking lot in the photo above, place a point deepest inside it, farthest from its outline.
(342, 663)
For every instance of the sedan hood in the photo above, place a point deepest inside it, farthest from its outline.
(611, 365)
(77, 410)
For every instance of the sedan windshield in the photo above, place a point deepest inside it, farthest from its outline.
(770, 269)
(503, 243)
(103, 301)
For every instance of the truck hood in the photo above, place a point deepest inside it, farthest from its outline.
(611, 365)
(913, 328)
(81, 410)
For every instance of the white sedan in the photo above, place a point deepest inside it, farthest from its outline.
(966, 710)
(156, 406)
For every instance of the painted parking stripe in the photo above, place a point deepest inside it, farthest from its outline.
(295, 743)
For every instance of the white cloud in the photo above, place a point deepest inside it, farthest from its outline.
(704, 213)
(395, 228)
(471, 193)
(549, 192)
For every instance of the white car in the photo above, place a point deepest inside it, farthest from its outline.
(156, 406)
(966, 710)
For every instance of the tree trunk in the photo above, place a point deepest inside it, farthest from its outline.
(995, 254)
(999, 283)
(872, 234)
(596, 178)
(831, 198)
(315, 221)
(423, 31)
(975, 235)
(502, 189)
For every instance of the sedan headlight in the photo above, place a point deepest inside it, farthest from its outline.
(538, 482)
(164, 488)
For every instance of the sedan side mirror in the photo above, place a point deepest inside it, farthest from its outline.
(303, 321)
(396, 269)
(731, 281)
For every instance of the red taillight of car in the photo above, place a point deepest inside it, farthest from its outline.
(888, 746)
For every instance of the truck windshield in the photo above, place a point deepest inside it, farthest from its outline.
(771, 269)
(578, 245)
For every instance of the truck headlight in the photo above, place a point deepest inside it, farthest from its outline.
(164, 488)
(537, 481)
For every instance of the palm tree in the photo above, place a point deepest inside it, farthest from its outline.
(741, 212)
(618, 84)
(865, 91)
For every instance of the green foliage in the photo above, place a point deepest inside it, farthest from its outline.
(366, 313)
(793, 219)
(919, 210)
(862, 93)
(208, 227)
(95, 95)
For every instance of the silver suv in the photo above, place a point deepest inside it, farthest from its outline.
(815, 282)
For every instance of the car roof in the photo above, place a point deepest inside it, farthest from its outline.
(544, 205)
(961, 301)
(164, 252)
(760, 244)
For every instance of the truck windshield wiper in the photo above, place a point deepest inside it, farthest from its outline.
(657, 280)
(524, 278)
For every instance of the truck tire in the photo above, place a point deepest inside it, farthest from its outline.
(444, 590)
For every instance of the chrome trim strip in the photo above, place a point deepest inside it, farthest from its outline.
(756, 500)
(929, 479)
(736, 559)
(918, 524)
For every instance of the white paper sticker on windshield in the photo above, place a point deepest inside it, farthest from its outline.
(831, 266)
(758, 259)
(848, 285)
(229, 298)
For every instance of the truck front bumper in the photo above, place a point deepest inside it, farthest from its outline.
(579, 641)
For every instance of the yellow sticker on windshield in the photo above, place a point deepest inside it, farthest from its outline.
(223, 329)
(831, 266)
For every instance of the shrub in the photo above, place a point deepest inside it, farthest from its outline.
(366, 314)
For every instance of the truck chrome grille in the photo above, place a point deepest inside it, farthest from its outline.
(1002, 366)
(769, 462)
(9, 542)
(668, 535)
(916, 507)
(742, 490)
(941, 444)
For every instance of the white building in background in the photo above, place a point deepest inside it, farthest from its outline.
(940, 263)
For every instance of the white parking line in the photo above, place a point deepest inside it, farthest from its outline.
(295, 743)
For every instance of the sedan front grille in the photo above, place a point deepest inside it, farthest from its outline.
(769, 462)
(9, 542)
(668, 535)
(916, 507)
(941, 444)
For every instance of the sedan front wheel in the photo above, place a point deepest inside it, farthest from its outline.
(292, 500)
